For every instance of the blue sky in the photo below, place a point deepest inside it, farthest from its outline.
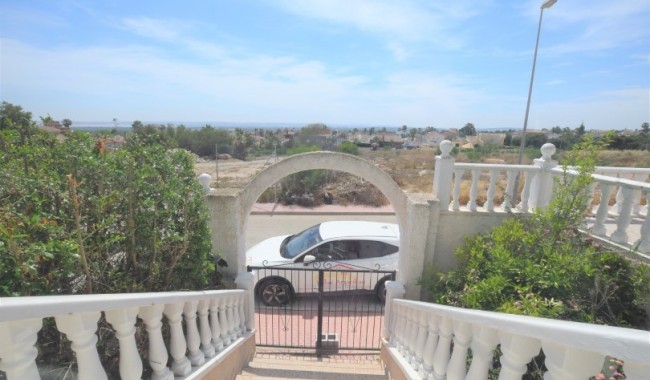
(340, 62)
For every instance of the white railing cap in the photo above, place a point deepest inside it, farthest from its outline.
(608, 179)
(469, 165)
(17, 308)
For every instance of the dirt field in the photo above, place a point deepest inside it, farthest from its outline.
(233, 173)
(411, 169)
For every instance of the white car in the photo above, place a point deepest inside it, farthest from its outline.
(356, 256)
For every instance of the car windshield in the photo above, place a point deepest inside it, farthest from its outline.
(296, 244)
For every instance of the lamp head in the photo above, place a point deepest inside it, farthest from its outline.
(548, 3)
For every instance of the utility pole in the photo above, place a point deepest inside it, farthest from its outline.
(216, 162)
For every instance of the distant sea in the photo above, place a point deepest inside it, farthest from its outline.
(126, 125)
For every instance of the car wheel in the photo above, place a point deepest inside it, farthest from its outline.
(274, 293)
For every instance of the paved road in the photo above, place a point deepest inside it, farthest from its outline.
(261, 227)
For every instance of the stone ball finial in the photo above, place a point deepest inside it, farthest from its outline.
(445, 148)
(548, 150)
(204, 180)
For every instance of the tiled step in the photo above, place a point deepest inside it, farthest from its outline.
(287, 365)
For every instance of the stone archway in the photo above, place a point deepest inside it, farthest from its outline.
(233, 206)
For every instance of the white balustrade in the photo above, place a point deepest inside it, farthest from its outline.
(571, 350)
(629, 194)
(76, 316)
(629, 183)
(496, 174)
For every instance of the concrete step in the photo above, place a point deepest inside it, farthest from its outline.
(278, 364)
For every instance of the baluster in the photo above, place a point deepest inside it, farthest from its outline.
(408, 335)
(429, 347)
(570, 363)
(510, 186)
(484, 341)
(192, 333)
(473, 192)
(80, 329)
(458, 177)
(215, 324)
(235, 318)
(204, 328)
(413, 338)
(489, 205)
(223, 321)
(232, 323)
(624, 216)
(152, 317)
(17, 351)
(603, 210)
(618, 205)
(525, 192)
(420, 339)
(398, 327)
(636, 199)
(400, 324)
(441, 357)
(403, 329)
(458, 362)
(592, 192)
(643, 243)
(181, 365)
(123, 321)
(242, 315)
(517, 352)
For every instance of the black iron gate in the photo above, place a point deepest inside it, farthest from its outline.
(331, 306)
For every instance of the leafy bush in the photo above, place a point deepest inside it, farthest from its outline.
(349, 147)
(75, 218)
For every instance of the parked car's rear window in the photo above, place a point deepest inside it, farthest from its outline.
(369, 249)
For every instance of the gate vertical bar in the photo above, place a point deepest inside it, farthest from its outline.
(319, 333)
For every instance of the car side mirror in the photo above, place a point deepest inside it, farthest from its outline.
(309, 259)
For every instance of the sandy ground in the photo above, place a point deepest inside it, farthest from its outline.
(232, 172)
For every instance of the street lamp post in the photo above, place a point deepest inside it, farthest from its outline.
(547, 4)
